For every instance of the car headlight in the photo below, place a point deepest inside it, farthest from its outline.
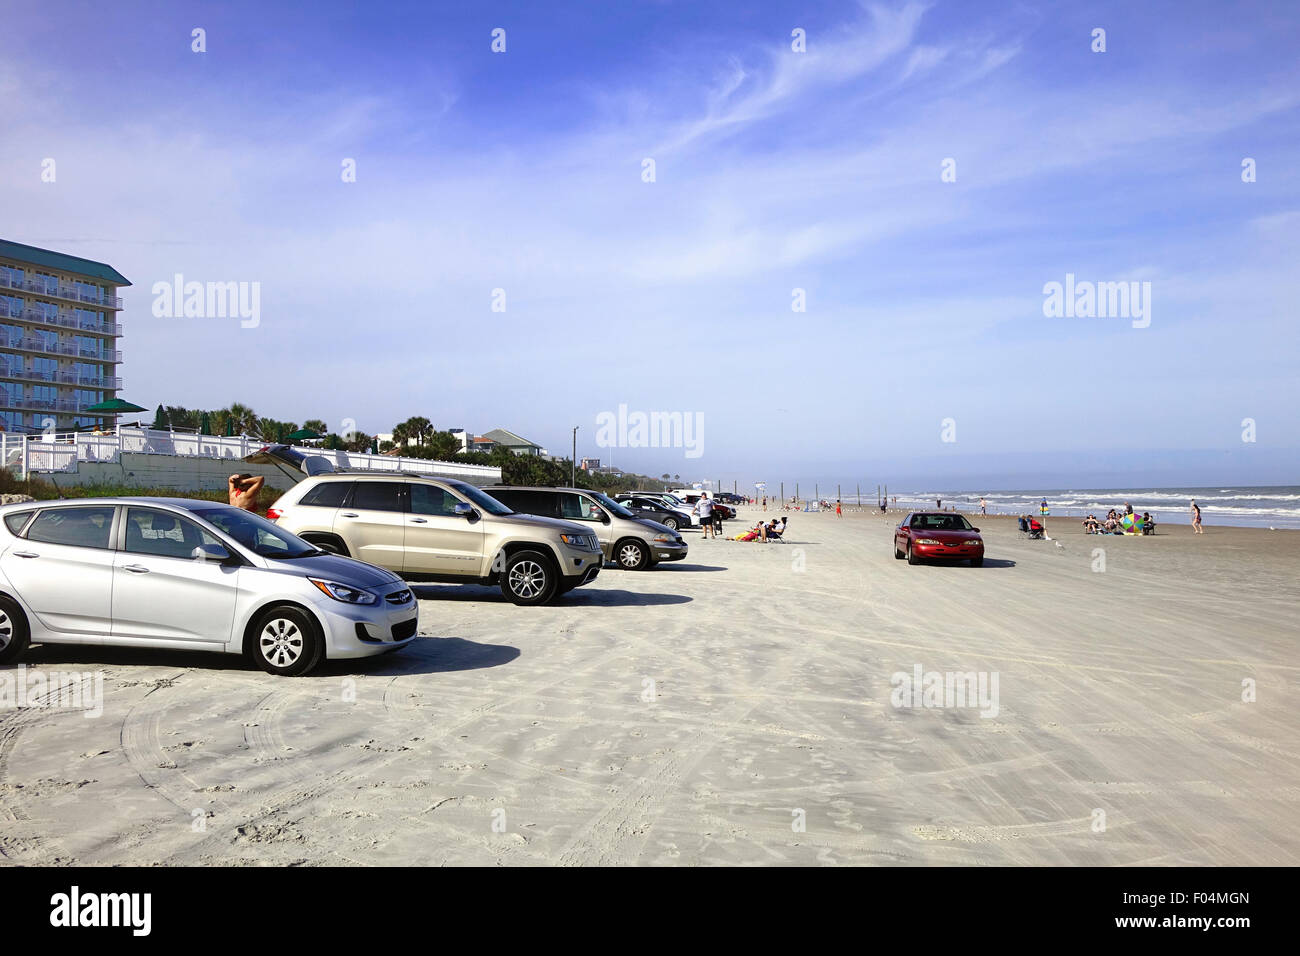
(665, 538)
(927, 541)
(585, 541)
(344, 593)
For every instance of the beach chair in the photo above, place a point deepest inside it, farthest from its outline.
(778, 536)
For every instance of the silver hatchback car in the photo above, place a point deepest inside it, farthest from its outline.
(183, 574)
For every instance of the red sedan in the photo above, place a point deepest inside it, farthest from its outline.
(925, 534)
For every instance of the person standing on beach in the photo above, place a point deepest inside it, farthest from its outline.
(704, 508)
(243, 490)
(983, 509)
(1196, 519)
(839, 512)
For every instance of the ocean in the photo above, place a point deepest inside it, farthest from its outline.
(1275, 506)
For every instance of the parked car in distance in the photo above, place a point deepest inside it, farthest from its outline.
(655, 509)
(632, 543)
(439, 529)
(925, 535)
(184, 574)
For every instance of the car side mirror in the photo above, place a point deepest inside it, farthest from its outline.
(604, 518)
(464, 509)
(211, 552)
(974, 529)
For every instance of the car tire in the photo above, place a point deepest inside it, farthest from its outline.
(632, 555)
(977, 562)
(287, 642)
(671, 524)
(529, 578)
(328, 543)
(15, 635)
(897, 554)
(911, 557)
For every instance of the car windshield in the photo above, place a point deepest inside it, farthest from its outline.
(480, 498)
(256, 533)
(941, 522)
(671, 498)
(611, 504)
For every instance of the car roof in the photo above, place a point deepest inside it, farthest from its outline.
(185, 504)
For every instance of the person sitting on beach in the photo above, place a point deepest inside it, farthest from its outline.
(1090, 525)
(1023, 521)
(1112, 524)
(1148, 523)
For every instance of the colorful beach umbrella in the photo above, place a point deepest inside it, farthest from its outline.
(1131, 523)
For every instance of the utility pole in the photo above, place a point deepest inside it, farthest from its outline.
(573, 462)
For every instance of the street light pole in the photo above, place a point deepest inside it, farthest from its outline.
(573, 462)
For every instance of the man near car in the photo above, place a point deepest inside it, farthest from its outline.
(243, 490)
(704, 508)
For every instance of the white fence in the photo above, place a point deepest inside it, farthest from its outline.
(61, 453)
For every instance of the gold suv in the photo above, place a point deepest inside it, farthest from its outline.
(440, 529)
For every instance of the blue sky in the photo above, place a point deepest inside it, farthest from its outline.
(775, 170)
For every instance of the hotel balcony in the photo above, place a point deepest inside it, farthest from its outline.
(64, 349)
(67, 293)
(63, 320)
(71, 379)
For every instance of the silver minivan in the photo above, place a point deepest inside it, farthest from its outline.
(630, 542)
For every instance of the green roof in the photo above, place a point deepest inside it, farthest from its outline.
(62, 262)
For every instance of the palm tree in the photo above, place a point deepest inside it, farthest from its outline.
(316, 425)
(401, 432)
(419, 428)
(244, 418)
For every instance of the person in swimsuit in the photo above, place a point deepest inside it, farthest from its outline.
(243, 490)
(1196, 519)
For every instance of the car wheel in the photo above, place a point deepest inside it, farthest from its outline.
(14, 633)
(977, 562)
(327, 543)
(633, 555)
(671, 524)
(529, 578)
(911, 558)
(897, 554)
(287, 642)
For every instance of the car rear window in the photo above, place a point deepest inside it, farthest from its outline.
(377, 496)
(328, 494)
(15, 521)
(80, 527)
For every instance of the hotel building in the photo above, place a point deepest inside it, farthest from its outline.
(60, 327)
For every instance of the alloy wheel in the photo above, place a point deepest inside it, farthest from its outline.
(527, 578)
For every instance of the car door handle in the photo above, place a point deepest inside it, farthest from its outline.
(26, 554)
(135, 568)
(348, 514)
(419, 520)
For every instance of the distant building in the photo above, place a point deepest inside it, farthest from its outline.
(516, 443)
(59, 337)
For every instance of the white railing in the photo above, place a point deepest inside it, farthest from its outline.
(62, 452)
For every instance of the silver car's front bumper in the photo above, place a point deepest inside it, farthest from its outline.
(364, 630)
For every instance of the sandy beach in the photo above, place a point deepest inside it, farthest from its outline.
(732, 709)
